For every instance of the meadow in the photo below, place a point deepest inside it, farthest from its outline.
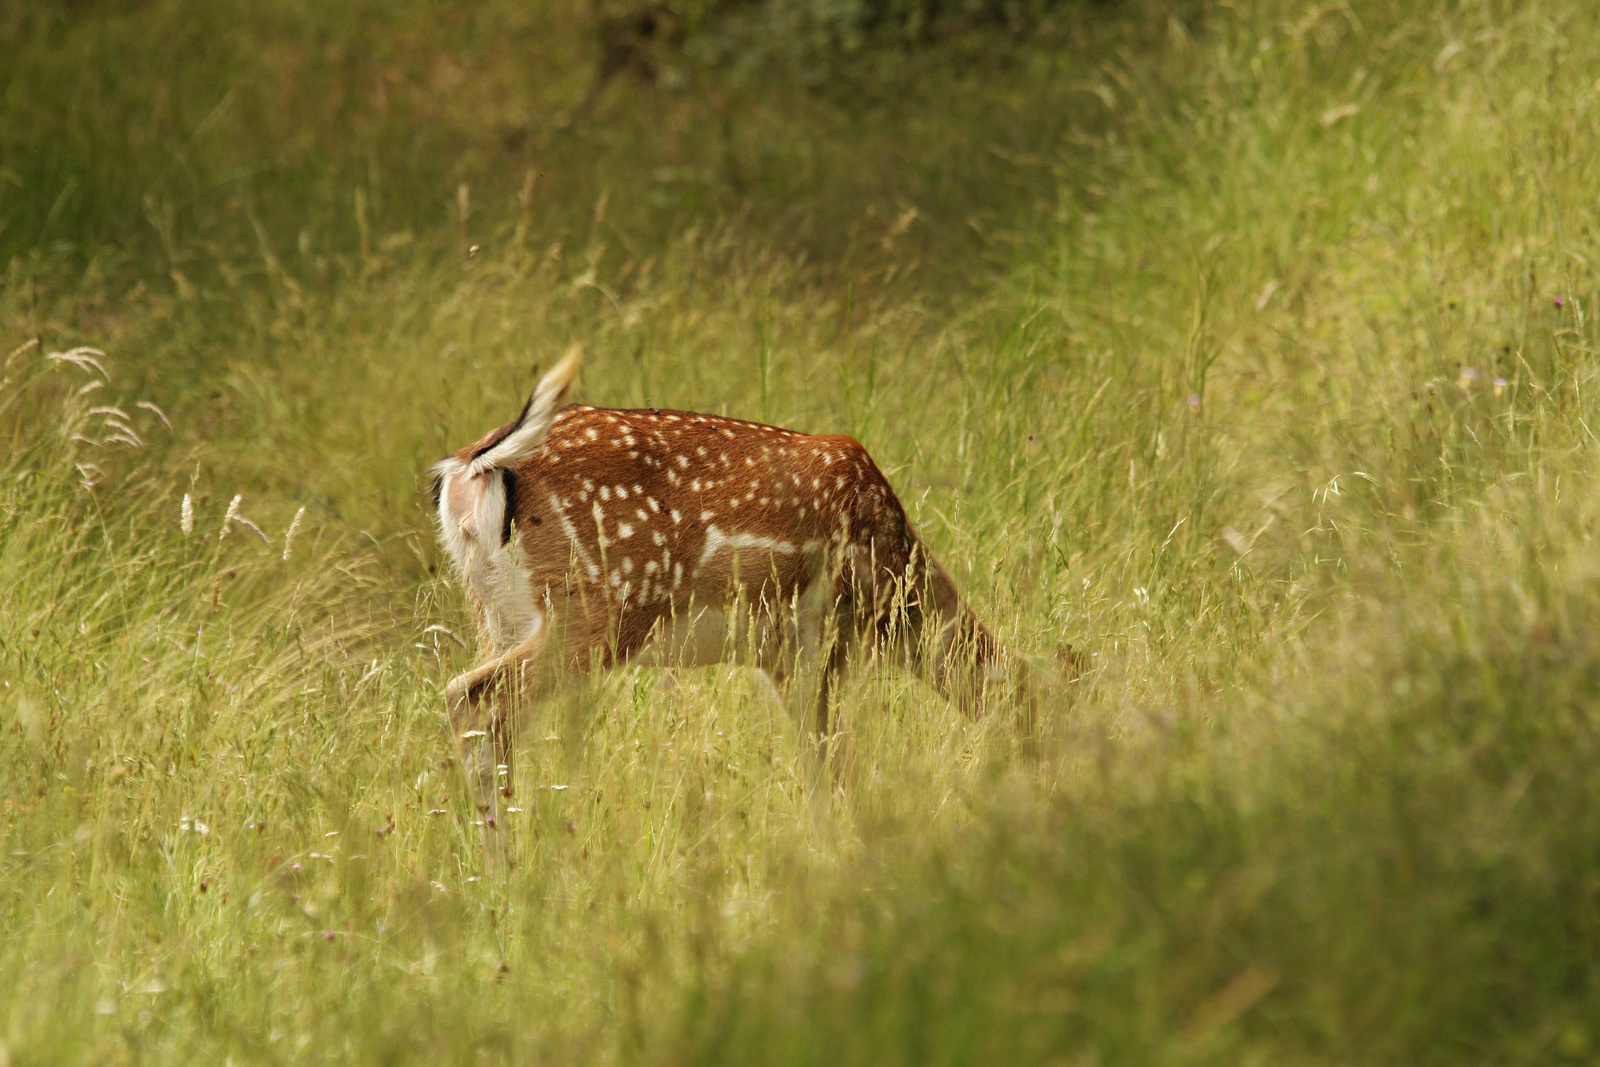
(1248, 349)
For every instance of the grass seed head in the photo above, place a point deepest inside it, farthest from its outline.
(233, 513)
(288, 538)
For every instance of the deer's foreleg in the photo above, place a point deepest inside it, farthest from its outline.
(483, 704)
(815, 647)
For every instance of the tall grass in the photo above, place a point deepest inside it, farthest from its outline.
(1323, 347)
(1277, 408)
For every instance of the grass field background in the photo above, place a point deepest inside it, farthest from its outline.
(1248, 348)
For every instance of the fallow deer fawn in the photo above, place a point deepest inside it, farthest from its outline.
(590, 537)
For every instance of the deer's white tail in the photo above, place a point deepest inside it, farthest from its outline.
(473, 497)
(528, 432)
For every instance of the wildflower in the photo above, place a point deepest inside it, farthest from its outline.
(1469, 377)
(1194, 403)
(187, 515)
(1499, 386)
(1559, 303)
(288, 538)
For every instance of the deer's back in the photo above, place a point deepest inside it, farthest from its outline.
(652, 510)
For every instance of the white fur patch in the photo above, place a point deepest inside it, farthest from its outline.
(471, 516)
(717, 540)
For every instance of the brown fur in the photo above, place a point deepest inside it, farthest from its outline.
(630, 520)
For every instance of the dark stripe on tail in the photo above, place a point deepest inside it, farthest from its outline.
(509, 480)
